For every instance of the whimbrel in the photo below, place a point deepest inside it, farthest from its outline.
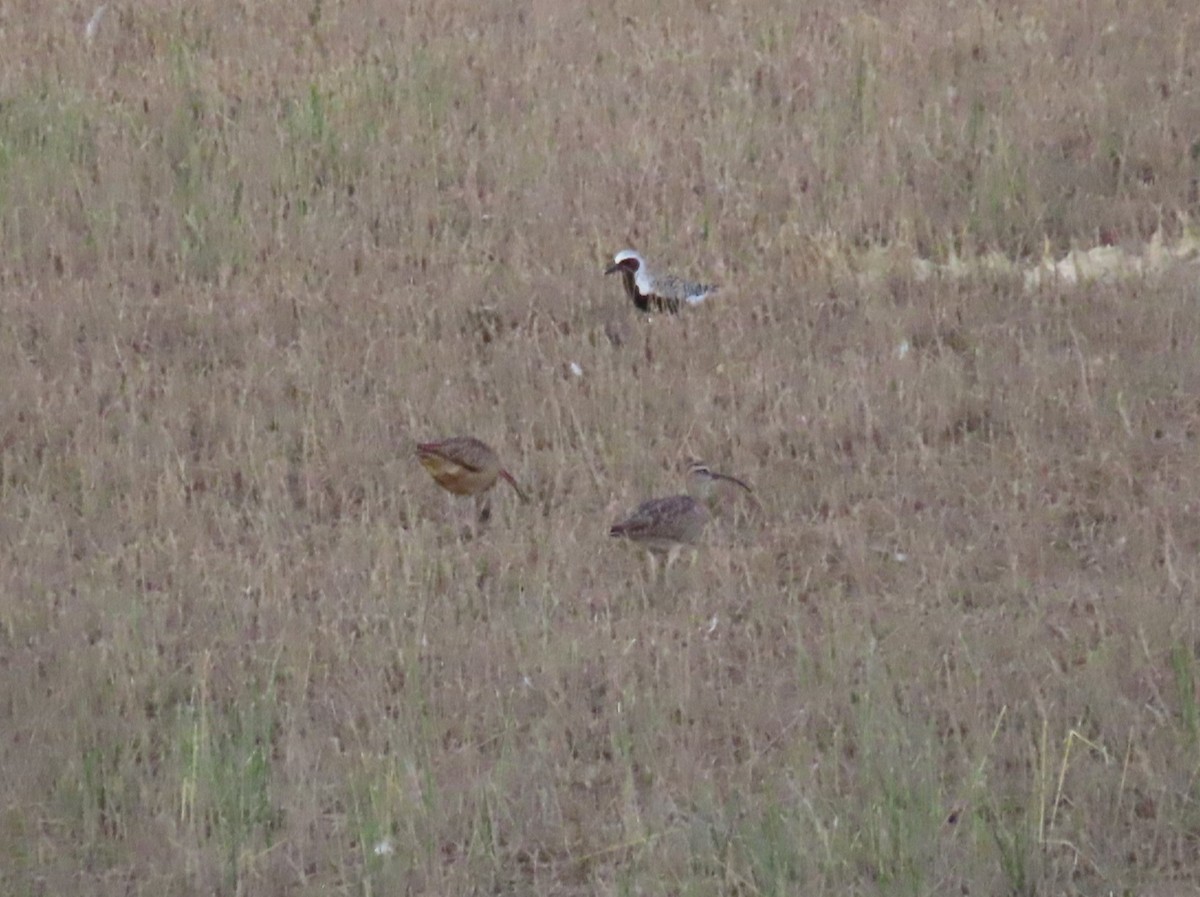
(663, 525)
(656, 292)
(463, 465)
(667, 525)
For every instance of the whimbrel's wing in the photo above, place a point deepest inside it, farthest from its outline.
(660, 522)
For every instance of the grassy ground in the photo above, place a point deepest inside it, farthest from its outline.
(253, 252)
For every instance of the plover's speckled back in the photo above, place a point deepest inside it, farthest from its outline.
(656, 292)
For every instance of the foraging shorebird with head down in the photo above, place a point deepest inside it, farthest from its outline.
(464, 465)
(656, 292)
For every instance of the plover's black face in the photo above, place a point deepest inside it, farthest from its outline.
(626, 264)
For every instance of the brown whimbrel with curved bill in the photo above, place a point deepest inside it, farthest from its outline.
(464, 465)
(656, 292)
(668, 525)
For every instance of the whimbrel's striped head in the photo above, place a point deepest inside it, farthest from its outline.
(703, 481)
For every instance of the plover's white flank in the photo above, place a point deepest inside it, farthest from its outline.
(656, 292)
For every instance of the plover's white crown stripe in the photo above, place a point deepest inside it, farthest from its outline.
(642, 276)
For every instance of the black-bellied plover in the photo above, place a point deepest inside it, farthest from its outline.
(656, 292)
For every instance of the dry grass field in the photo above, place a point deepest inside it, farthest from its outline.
(253, 252)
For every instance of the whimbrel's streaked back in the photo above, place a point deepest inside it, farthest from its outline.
(664, 524)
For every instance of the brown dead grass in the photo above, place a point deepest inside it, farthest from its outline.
(253, 252)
